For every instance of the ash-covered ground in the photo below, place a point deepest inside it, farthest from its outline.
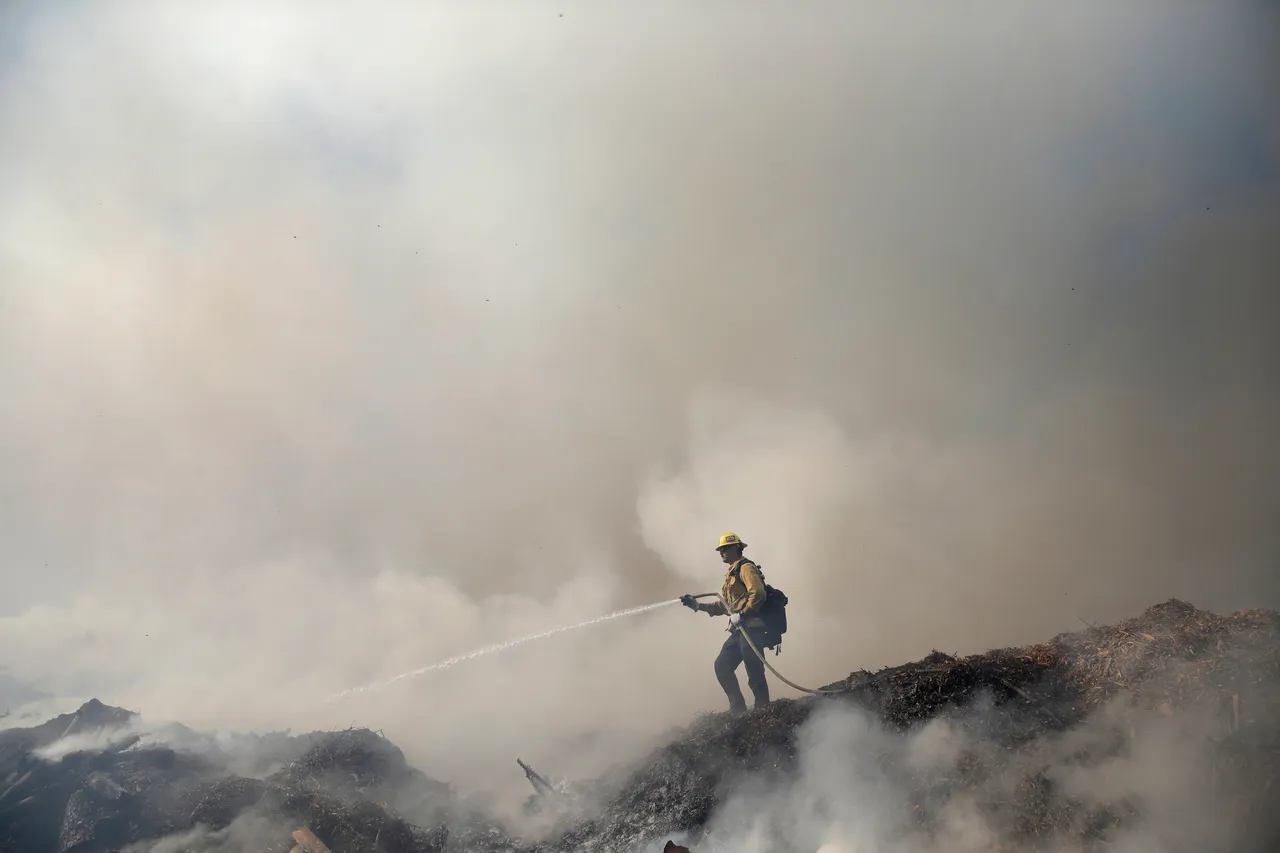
(1159, 733)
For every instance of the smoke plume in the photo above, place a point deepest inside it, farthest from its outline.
(859, 787)
(335, 343)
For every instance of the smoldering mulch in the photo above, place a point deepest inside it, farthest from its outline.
(353, 789)
(1007, 705)
(343, 786)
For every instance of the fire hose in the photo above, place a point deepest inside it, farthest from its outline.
(760, 654)
(821, 692)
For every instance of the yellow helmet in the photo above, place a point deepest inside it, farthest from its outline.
(730, 539)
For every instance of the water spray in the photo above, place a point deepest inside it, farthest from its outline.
(495, 648)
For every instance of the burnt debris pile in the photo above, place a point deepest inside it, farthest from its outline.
(1174, 656)
(682, 782)
(117, 789)
(1019, 723)
(1012, 736)
(78, 782)
(358, 763)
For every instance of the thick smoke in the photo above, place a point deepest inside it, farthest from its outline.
(861, 788)
(334, 343)
(242, 834)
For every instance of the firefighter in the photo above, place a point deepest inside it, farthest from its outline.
(743, 590)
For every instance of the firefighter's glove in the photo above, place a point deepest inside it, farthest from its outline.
(735, 619)
(688, 601)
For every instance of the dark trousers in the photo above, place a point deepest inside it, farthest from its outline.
(736, 651)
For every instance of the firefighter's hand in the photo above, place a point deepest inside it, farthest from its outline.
(688, 601)
(734, 619)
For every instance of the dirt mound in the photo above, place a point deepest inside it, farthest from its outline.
(1174, 655)
(89, 718)
(1171, 656)
(351, 824)
(217, 803)
(348, 786)
(355, 760)
(680, 785)
(95, 800)
(1009, 704)
(343, 787)
(1018, 723)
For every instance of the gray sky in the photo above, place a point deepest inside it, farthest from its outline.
(336, 342)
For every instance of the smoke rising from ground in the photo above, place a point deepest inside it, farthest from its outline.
(333, 344)
(859, 787)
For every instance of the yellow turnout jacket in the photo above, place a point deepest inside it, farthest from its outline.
(743, 589)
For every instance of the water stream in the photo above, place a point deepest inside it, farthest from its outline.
(496, 648)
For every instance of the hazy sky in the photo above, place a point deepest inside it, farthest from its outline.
(336, 341)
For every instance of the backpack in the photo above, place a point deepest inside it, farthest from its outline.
(773, 613)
